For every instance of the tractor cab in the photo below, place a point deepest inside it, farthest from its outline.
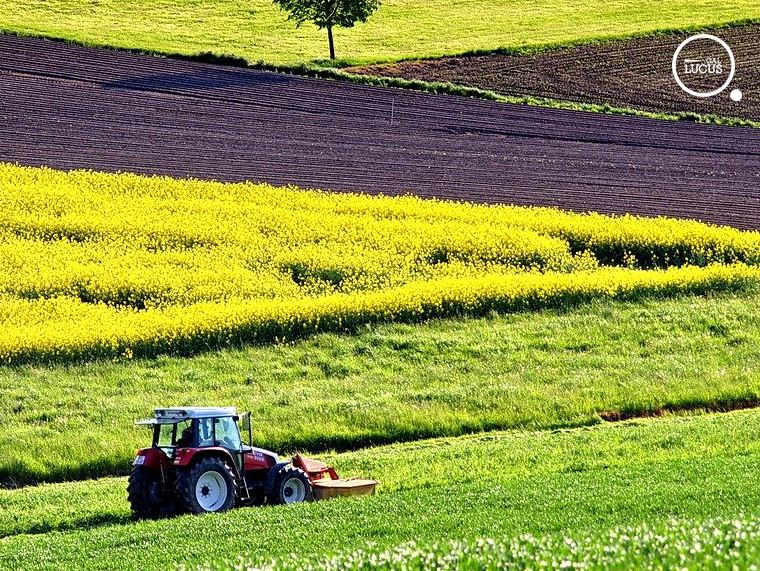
(183, 432)
(175, 428)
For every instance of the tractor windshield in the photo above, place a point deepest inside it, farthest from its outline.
(169, 435)
(226, 433)
(165, 435)
(222, 431)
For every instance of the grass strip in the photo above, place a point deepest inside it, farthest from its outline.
(447, 88)
(497, 457)
(493, 485)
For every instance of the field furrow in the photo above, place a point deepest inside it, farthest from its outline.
(629, 73)
(73, 107)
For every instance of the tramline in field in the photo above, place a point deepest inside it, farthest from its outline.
(199, 463)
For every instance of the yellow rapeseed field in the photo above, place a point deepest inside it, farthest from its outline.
(97, 265)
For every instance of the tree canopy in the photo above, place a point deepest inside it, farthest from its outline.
(329, 13)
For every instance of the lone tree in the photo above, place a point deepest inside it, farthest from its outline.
(329, 13)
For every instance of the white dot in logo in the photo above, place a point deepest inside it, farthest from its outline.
(736, 95)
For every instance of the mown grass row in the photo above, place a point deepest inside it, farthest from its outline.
(579, 481)
(261, 36)
(548, 369)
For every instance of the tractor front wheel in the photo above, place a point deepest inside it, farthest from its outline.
(208, 486)
(148, 494)
(291, 487)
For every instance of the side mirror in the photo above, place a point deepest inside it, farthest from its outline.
(247, 427)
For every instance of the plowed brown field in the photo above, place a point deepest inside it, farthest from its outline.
(634, 73)
(73, 107)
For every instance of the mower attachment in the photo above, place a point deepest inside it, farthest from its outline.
(325, 481)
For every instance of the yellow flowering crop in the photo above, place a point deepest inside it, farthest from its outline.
(96, 265)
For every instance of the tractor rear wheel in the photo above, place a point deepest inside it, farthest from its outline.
(148, 493)
(291, 487)
(208, 486)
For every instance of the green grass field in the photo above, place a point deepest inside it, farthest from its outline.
(583, 480)
(700, 544)
(257, 30)
(474, 427)
(443, 378)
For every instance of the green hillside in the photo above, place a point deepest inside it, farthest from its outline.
(257, 30)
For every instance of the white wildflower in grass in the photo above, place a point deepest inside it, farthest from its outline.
(713, 545)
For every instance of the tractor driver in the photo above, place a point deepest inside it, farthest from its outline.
(186, 438)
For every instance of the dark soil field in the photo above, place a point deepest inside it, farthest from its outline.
(72, 107)
(631, 73)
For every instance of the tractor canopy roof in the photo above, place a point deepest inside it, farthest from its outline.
(178, 414)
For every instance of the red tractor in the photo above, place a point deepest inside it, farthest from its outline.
(198, 463)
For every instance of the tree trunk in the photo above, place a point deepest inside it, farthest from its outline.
(332, 44)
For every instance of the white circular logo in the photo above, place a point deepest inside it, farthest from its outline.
(730, 74)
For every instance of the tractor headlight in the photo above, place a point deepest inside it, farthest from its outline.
(139, 461)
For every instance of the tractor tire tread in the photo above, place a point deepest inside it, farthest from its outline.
(141, 509)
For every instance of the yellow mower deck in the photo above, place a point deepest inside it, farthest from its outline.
(326, 489)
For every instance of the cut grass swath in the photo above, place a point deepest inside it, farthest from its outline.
(574, 482)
